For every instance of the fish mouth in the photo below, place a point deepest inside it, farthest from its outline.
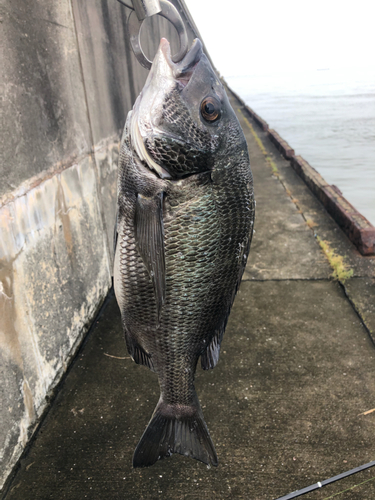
(182, 70)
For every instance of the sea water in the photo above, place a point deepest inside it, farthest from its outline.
(328, 117)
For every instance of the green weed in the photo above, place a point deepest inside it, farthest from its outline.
(341, 271)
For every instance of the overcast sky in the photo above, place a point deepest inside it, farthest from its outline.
(247, 37)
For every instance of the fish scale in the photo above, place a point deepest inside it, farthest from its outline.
(185, 217)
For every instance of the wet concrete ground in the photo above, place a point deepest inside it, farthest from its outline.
(285, 405)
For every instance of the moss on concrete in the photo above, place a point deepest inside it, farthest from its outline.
(268, 158)
(341, 270)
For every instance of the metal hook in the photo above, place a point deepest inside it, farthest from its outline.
(134, 25)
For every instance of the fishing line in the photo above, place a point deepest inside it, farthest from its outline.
(319, 484)
(348, 489)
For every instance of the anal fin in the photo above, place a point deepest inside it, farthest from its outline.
(149, 237)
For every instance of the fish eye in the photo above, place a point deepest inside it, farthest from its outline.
(210, 109)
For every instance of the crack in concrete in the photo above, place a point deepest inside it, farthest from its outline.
(311, 225)
(358, 313)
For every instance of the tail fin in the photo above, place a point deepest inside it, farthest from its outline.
(175, 430)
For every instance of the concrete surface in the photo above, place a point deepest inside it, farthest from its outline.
(286, 405)
(69, 81)
(54, 274)
(361, 292)
(45, 114)
(357, 228)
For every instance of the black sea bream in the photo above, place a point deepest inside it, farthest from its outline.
(185, 218)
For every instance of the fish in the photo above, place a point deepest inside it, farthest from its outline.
(184, 227)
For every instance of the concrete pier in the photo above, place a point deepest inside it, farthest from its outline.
(290, 401)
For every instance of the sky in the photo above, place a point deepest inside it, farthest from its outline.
(264, 36)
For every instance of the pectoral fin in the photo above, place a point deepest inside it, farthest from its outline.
(115, 234)
(149, 237)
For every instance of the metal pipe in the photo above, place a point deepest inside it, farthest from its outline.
(146, 8)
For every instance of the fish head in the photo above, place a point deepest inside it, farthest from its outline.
(182, 122)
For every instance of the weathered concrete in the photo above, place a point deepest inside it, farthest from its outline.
(361, 292)
(69, 82)
(270, 260)
(45, 114)
(54, 274)
(359, 230)
(285, 405)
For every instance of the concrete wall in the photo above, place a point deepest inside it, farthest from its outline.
(70, 81)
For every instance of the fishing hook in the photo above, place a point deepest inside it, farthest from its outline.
(145, 8)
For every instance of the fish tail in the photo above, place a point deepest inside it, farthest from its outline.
(175, 429)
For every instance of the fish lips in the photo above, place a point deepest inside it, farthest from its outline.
(184, 69)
